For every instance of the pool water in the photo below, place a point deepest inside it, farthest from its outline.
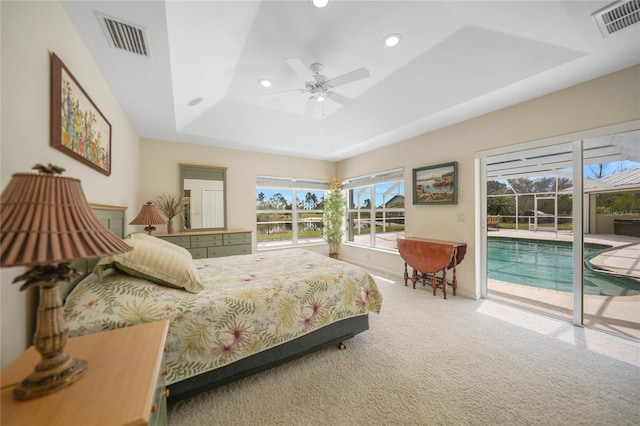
(547, 264)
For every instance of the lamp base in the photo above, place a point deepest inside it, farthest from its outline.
(56, 369)
(149, 229)
(51, 374)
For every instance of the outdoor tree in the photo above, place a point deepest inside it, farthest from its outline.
(495, 187)
(278, 202)
(501, 205)
(597, 170)
(619, 203)
(311, 201)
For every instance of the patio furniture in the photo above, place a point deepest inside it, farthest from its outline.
(493, 221)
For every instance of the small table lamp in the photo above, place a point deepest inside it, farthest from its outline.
(149, 216)
(46, 223)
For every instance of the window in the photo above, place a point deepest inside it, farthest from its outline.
(376, 209)
(289, 211)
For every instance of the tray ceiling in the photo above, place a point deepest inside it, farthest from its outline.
(456, 60)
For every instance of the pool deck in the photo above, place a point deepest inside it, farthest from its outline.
(612, 313)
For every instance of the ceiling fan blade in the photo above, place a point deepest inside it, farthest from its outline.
(300, 68)
(309, 108)
(278, 94)
(342, 100)
(354, 75)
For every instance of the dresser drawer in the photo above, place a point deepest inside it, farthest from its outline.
(206, 241)
(229, 250)
(199, 253)
(240, 238)
(212, 244)
(179, 241)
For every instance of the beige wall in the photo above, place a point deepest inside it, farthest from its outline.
(604, 224)
(160, 173)
(30, 31)
(608, 100)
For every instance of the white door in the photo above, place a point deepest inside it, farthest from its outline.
(213, 208)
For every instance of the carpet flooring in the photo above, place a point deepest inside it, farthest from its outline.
(430, 361)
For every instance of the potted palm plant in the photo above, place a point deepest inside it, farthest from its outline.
(333, 217)
(171, 206)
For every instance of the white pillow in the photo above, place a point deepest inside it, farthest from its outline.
(159, 241)
(154, 262)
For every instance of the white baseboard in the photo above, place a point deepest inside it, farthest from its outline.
(384, 273)
(398, 277)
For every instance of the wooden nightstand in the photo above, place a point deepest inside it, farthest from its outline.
(123, 385)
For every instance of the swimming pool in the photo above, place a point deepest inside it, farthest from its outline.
(547, 264)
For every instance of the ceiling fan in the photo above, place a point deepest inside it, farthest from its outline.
(320, 87)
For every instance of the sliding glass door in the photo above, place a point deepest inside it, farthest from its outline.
(562, 230)
(611, 279)
(529, 251)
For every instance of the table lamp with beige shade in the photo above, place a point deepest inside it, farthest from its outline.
(149, 215)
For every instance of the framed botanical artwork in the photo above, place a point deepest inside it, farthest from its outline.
(78, 128)
(436, 184)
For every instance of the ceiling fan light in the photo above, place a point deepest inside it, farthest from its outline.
(320, 98)
(264, 83)
(320, 3)
(392, 40)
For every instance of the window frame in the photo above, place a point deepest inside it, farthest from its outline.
(371, 181)
(297, 186)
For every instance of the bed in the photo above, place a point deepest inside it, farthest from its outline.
(249, 313)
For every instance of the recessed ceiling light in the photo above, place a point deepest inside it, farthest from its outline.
(392, 40)
(320, 3)
(264, 83)
(195, 101)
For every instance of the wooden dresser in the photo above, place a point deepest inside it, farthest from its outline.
(124, 384)
(204, 244)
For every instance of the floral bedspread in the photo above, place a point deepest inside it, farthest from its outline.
(250, 303)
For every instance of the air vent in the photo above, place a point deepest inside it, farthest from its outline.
(124, 35)
(617, 16)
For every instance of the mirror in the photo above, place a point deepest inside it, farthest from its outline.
(206, 188)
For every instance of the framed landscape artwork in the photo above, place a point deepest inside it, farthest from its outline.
(78, 128)
(436, 184)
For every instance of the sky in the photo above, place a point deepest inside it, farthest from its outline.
(610, 168)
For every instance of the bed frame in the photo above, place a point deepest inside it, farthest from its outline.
(332, 334)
